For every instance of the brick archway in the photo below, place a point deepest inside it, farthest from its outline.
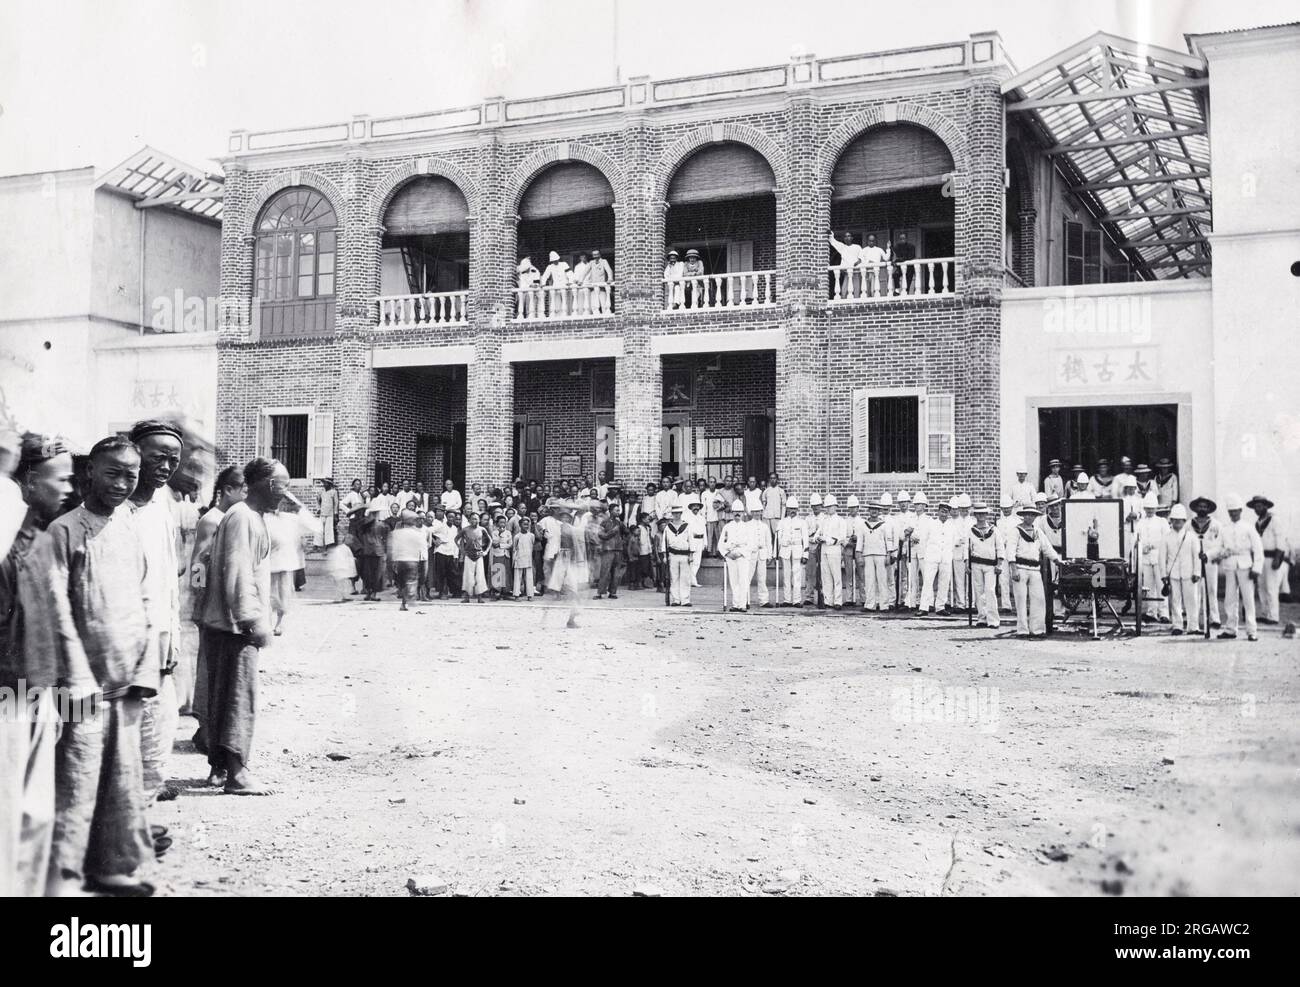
(389, 185)
(701, 137)
(874, 116)
(305, 178)
(543, 158)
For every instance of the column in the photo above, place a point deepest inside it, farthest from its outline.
(489, 413)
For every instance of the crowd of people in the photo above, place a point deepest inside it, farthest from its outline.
(881, 553)
(561, 290)
(96, 668)
(122, 605)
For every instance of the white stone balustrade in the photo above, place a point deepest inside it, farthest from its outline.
(931, 277)
(430, 309)
(737, 289)
(570, 302)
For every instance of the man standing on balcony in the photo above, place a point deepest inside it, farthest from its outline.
(848, 278)
(697, 292)
(599, 276)
(903, 255)
(578, 278)
(555, 280)
(529, 306)
(874, 261)
(674, 273)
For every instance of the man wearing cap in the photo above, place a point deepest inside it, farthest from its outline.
(1030, 548)
(812, 573)
(674, 273)
(1102, 484)
(935, 549)
(1181, 565)
(714, 505)
(1166, 481)
(1054, 483)
(555, 283)
(792, 549)
(960, 524)
(761, 537)
(986, 554)
(1150, 532)
(1142, 477)
(737, 548)
(1277, 549)
(678, 543)
(875, 550)
(1125, 473)
(1022, 491)
(697, 290)
(694, 518)
(1242, 556)
(901, 518)
(1209, 535)
(1006, 529)
(160, 448)
(1132, 504)
(917, 524)
(30, 660)
(854, 574)
(832, 532)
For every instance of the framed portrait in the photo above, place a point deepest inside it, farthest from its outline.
(1093, 529)
(679, 387)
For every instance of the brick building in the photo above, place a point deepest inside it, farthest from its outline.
(375, 326)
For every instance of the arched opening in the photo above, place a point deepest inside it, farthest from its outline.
(720, 230)
(424, 276)
(565, 259)
(296, 240)
(892, 216)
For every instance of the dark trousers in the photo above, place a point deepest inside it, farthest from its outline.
(232, 694)
(611, 572)
(446, 575)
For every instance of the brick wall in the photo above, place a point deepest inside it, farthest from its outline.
(950, 345)
(409, 404)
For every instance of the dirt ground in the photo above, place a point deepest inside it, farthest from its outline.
(492, 749)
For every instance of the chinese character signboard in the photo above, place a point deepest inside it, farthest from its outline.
(1106, 370)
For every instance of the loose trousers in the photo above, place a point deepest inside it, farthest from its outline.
(697, 558)
(832, 575)
(758, 571)
(792, 575)
(612, 566)
(1153, 604)
(524, 581)
(1238, 587)
(877, 592)
(811, 574)
(99, 800)
(27, 743)
(959, 567)
(1031, 604)
(1183, 599)
(159, 721)
(738, 572)
(1270, 585)
(935, 580)
(914, 570)
(679, 572)
(984, 588)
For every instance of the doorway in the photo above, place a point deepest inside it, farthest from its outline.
(675, 444)
(1082, 435)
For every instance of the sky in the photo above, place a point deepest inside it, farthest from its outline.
(87, 82)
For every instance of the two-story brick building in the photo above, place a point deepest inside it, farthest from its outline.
(376, 323)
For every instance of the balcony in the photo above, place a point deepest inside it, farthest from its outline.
(558, 304)
(931, 277)
(710, 292)
(442, 308)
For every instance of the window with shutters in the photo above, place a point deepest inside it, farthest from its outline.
(301, 438)
(902, 430)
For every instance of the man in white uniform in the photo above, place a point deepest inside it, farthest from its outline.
(1031, 547)
(761, 537)
(1022, 491)
(916, 526)
(792, 550)
(737, 550)
(694, 519)
(1006, 528)
(1150, 533)
(986, 554)
(1277, 552)
(831, 535)
(1181, 565)
(875, 550)
(1242, 557)
(1209, 534)
(936, 555)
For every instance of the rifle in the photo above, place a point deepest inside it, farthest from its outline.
(724, 584)
(1206, 589)
(970, 601)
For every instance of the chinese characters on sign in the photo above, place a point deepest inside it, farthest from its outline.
(160, 395)
(1114, 368)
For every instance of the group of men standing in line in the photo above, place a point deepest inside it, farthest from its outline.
(560, 290)
(91, 588)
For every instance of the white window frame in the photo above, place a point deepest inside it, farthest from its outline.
(858, 413)
(316, 419)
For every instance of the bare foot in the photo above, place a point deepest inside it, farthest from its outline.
(244, 784)
(217, 778)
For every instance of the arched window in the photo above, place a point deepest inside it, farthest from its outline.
(296, 243)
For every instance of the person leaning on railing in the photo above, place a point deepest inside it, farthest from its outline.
(697, 292)
(902, 254)
(850, 255)
(599, 276)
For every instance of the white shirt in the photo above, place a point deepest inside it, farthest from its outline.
(833, 530)
(761, 535)
(711, 500)
(754, 500)
(450, 500)
(773, 503)
(850, 253)
(664, 501)
(792, 536)
(1022, 494)
(737, 540)
(877, 539)
(873, 254)
(1242, 548)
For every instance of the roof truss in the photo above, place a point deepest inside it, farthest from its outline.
(153, 178)
(1127, 125)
